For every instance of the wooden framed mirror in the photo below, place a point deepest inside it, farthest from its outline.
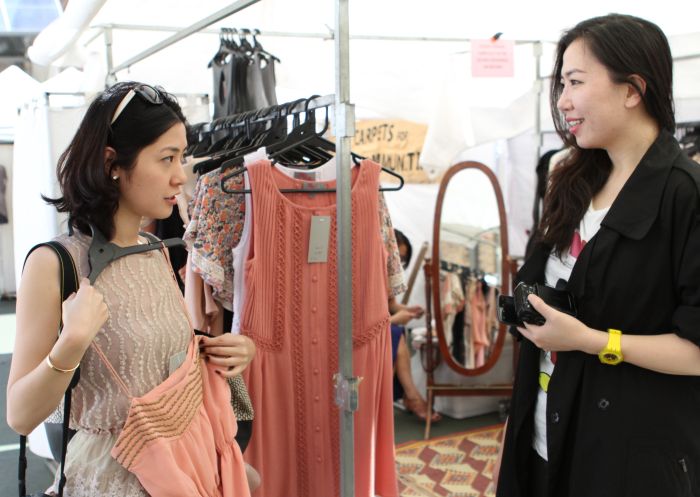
(470, 247)
(468, 270)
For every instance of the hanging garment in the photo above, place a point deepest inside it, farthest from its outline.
(3, 200)
(291, 312)
(491, 318)
(257, 98)
(173, 227)
(467, 330)
(217, 221)
(479, 337)
(267, 65)
(458, 346)
(41, 135)
(206, 313)
(240, 255)
(226, 73)
(179, 438)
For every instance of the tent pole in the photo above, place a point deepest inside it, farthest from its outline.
(111, 76)
(198, 26)
(346, 396)
(537, 52)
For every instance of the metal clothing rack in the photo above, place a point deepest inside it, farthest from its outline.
(346, 386)
(329, 35)
(194, 28)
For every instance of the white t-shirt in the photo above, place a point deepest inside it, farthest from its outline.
(558, 269)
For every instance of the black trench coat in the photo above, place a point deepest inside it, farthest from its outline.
(622, 431)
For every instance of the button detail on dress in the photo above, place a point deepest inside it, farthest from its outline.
(314, 309)
(314, 340)
(554, 417)
(318, 459)
(318, 428)
(316, 371)
(314, 278)
(603, 404)
(317, 398)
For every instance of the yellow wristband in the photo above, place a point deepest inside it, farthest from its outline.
(50, 364)
(612, 353)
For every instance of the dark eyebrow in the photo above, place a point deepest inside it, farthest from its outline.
(572, 71)
(170, 149)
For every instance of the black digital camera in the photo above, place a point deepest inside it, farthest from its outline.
(516, 310)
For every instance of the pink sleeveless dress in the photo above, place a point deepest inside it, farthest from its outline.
(291, 312)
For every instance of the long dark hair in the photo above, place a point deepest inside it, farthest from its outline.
(89, 194)
(625, 45)
(403, 239)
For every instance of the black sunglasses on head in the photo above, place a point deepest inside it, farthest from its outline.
(147, 92)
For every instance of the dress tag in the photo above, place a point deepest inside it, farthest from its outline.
(318, 238)
(306, 175)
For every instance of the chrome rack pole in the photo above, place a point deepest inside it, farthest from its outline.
(346, 386)
(537, 53)
(194, 28)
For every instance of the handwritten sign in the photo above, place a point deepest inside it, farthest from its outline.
(492, 58)
(395, 144)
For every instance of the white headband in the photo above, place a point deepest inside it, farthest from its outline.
(122, 105)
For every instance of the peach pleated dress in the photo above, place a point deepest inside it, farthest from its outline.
(179, 438)
(291, 312)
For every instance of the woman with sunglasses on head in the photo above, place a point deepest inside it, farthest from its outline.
(606, 404)
(129, 331)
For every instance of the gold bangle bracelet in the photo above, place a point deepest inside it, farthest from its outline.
(50, 364)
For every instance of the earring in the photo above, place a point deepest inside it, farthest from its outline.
(115, 178)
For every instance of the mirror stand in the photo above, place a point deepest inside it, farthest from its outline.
(468, 269)
(431, 358)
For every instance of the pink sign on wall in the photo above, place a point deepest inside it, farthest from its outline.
(492, 58)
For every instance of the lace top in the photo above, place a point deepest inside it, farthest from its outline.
(147, 325)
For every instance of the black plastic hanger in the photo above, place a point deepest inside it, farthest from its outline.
(242, 169)
(259, 48)
(303, 135)
(300, 134)
(103, 252)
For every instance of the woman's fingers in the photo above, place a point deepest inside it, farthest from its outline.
(225, 351)
(226, 361)
(540, 306)
(230, 373)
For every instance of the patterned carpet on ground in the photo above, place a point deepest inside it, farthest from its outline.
(459, 465)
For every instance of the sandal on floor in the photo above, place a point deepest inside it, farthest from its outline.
(419, 408)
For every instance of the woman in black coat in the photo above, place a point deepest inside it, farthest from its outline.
(608, 404)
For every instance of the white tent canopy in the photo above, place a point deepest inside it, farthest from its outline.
(423, 80)
(388, 78)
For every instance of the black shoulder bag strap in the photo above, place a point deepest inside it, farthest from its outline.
(69, 284)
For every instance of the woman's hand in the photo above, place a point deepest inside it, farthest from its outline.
(560, 332)
(84, 314)
(406, 314)
(417, 311)
(232, 352)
